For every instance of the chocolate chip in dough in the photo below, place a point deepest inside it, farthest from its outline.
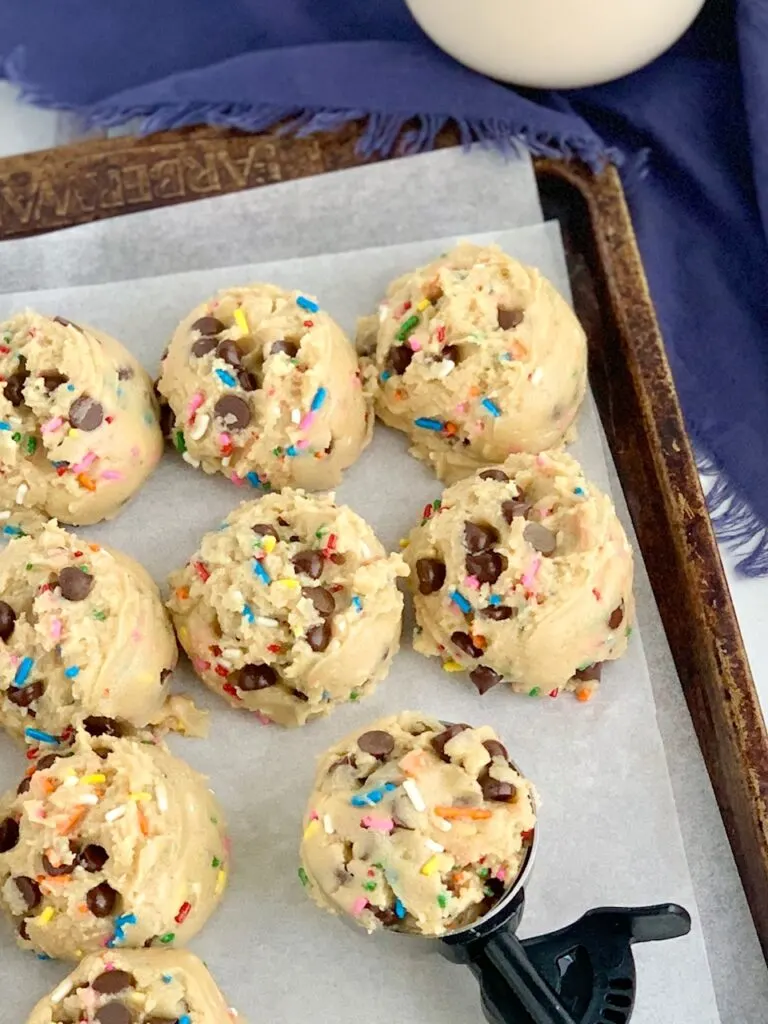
(7, 621)
(589, 674)
(498, 612)
(229, 352)
(256, 677)
(100, 725)
(125, 373)
(495, 474)
(208, 325)
(377, 743)
(58, 870)
(14, 387)
(204, 345)
(101, 900)
(431, 575)
(29, 891)
(439, 741)
(248, 381)
(479, 536)
(540, 538)
(86, 413)
(318, 637)
(494, 789)
(617, 617)
(167, 419)
(111, 982)
(265, 530)
(486, 566)
(65, 323)
(509, 318)
(9, 834)
(23, 696)
(515, 507)
(322, 599)
(52, 379)
(46, 761)
(290, 348)
(466, 644)
(75, 584)
(386, 915)
(23, 786)
(114, 1013)
(310, 563)
(400, 358)
(484, 678)
(496, 749)
(451, 353)
(92, 858)
(233, 411)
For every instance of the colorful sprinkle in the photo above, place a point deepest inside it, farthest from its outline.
(116, 813)
(406, 327)
(240, 319)
(320, 396)
(399, 909)
(531, 573)
(442, 900)
(13, 531)
(359, 905)
(221, 881)
(4, 425)
(303, 878)
(226, 378)
(374, 796)
(491, 407)
(46, 915)
(375, 824)
(248, 614)
(413, 793)
(40, 737)
(254, 480)
(460, 601)
(199, 427)
(473, 813)
(357, 604)
(494, 599)
(534, 692)
(179, 443)
(428, 424)
(579, 491)
(262, 573)
(51, 425)
(183, 913)
(22, 672)
(167, 938)
(430, 866)
(307, 304)
(72, 671)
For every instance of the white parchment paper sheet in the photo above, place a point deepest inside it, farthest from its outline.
(610, 832)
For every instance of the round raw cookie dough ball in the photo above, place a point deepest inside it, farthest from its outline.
(263, 386)
(114, 842)
(79, 431)
(416, 825)
(291, 608)
(136, 986)
(475, 356)
(84, 639)
(524, 575)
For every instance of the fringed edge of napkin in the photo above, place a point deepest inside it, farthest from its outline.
(735, 522)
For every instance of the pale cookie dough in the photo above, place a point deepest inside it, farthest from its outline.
(79, 431)
(523, 573)
(415, 825)
(114, 842)
(84, 638)
(264, 387)
(291, 608)
(136, 986)
(473, 357)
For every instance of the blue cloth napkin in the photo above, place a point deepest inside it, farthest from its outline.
(696, 118)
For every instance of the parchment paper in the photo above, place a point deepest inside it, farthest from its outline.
(610, 833)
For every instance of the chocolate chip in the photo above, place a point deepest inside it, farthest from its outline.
(486, 566)
(283, 345)
(509, 318)
(99, 725)
(377, 743)
(111, 982)
(23, 786)
(92, 858)
(494, 789)
(431, 574)
(318, 637)
(496, 749)
(479, 537)
(248, 381)
(208, 325)
(64, 322)
(310, 563)
(167, 419)
(14, 387)
(114, 1013)
(125, 373)
(617, 617)
(29, 890)
(46, 761)
(9, 834)
(7, 621)
(322, 599)
(400, 358)
(86, 413)
(265, 530)
(75, 584)
(540, 538)
(24, 934)
(589, 674)
(57, 870)
(203, 346)
(229, 352)
(439, 741)
(451, 352)
(52, 379)
(498, 612)
(515, 507)
(484, 678)
(494, 474)
(234, 411)
(465, 643)
(256, 677)
(23, 696)
(387, 917)
(101, 900)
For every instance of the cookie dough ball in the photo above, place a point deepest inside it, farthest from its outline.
(264, 386)
(416, 825)
(83, 634)
(473, 357)
(524, 575)
(291, 608)
(113, 843)
(79, 430)
(133, 986)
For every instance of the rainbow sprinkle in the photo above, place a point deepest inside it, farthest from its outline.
(4, 425)
(406, 327)
(399, 909)
(253, 478)
(240, 320)
(491, 407)
(426, 423)
(40, 737)
(248, 614)
(374, 796)
(357, 604)
(460, 601)
(22, 672)
(307, 304)
(320, 395)
(225, 378)
(262, 573)
(72, 671)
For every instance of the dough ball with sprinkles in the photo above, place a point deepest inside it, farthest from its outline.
(475, 356)
(263, 386)
(522, 575)
(113, 843)
(79, 431)
(84, 636)
(290, 608)
(416, 825)
(136, 986)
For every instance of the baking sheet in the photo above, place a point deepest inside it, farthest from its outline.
(609, 828)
